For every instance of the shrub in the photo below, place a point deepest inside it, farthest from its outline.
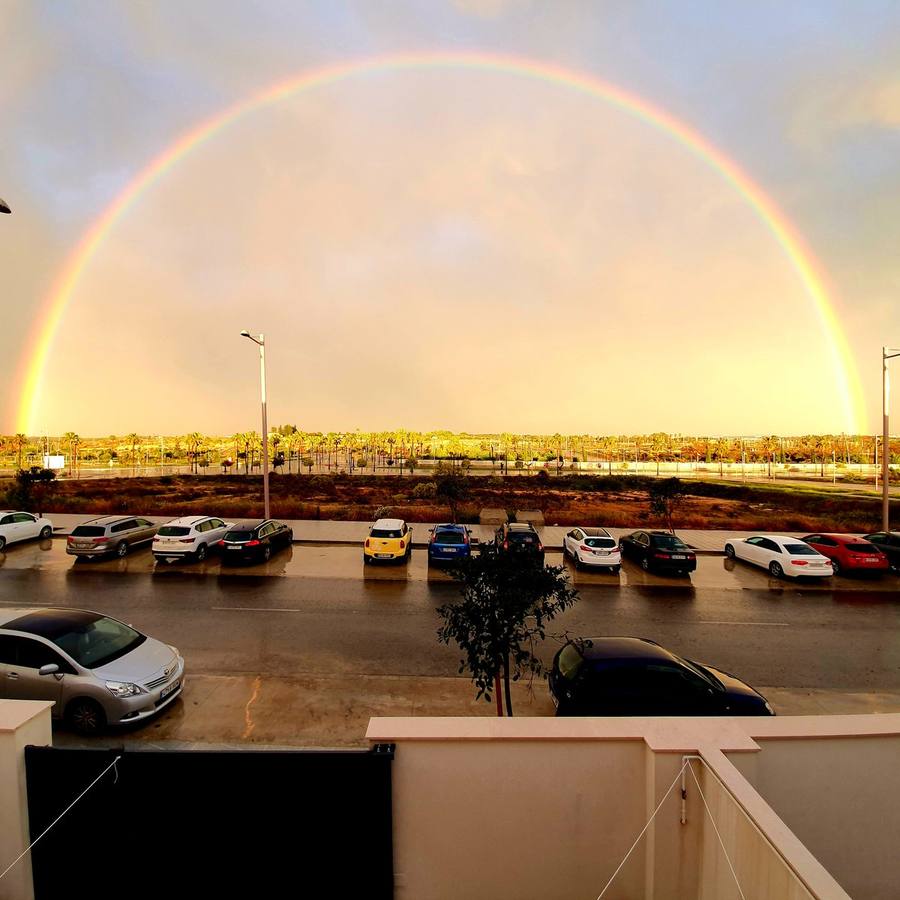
(324, 484)
(383, 512)
(427, 490)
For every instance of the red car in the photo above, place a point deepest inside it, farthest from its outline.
(848, 553)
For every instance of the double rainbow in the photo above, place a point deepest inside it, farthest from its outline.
(34, 360)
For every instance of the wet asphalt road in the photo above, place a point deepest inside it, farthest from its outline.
(319, 611)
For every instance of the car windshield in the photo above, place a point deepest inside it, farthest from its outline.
(173, 531)
(239, 537)
(449, 537)
(88, 531)
(94, 644)
(800, 550)
(385, 533)
(600, 542)
(702, 671)
(570, 662)
(669, 542)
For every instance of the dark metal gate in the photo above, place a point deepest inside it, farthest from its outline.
(173, 824)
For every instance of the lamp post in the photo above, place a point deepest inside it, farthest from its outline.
(260, 341)
(886, 354)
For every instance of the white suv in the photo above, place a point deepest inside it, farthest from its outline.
(191, 536)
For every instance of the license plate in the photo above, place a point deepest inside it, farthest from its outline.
(678, 556)
(871, 559)
(168, 689)
(82, 545)
(448, 549)
(233, 547)
(601, 553)
(384, 555)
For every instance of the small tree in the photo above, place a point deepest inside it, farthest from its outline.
(452, 488)
(31, 489)
(666, 498)
(503, 613)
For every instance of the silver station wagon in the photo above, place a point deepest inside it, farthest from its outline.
(97, 670)
(109, 534)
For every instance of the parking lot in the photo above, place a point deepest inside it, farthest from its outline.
(304, 648)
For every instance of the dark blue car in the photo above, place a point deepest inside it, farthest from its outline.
(448, 543)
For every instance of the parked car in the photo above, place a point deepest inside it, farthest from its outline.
(255, 541)
(520, 538)
(593, 547)
(848, 553)
(888, 542)
(22, 526)
(97, 670)
(189, 537)
(627, 676)
(658, 551)
(109, 534)
(388, 540)
(782, 556)
(449, 543)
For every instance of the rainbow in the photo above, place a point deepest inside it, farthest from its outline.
(849, 401)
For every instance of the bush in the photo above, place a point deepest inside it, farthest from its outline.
(427, 490)
(324, 484)
(383, 512)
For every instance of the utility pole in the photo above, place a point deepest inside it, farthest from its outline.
(886, 354)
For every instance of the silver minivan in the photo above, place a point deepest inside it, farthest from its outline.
(109, 534)
(97, 670)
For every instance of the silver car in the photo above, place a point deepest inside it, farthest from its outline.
(109, 534)
(97, 670)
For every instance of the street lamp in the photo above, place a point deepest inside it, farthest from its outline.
(260, 341)
(886, 354)
(4, 206)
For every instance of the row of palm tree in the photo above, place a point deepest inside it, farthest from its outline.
(356, 450)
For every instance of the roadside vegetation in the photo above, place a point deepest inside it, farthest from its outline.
(628, 501)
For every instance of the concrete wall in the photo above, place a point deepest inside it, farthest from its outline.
(841, 797)
(522, 819)
(22, 722)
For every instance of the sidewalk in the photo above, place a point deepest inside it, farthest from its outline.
(321, 711)
(329, 532)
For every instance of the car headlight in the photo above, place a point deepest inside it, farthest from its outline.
(174, 649)
(123, 688)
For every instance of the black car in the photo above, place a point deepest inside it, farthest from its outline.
(626, 676)
(658, 551)
(888, 542)
(520, 538)
(255, 540)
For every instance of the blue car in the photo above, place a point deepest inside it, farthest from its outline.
(449, 542)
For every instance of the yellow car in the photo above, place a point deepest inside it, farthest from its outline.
(389, 539)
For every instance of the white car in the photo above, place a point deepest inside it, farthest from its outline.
(593, 547)
(22, 526)
(189, 537)
(782, 556)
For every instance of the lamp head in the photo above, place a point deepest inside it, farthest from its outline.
(245, 333)
(4, 206)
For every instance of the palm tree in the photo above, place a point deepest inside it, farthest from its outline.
(73, 440)
(133, 439)
(194, 441)
(18, 443)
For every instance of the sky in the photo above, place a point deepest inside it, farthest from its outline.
(451, 247)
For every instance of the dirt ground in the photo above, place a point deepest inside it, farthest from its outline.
(565, 500)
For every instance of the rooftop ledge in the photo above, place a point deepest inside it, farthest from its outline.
(661, 734)
(16, 713)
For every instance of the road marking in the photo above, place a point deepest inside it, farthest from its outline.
(716, 622)
(258, 608)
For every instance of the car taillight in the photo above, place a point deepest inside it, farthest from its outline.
(220, 543)
(661, 556)
(506, 545)
(540, 547)
(70, 539)
(799, 562)
(100, 540)
(186, 541)
(585, 548)
(253, 543)
(402, 544)
(367, 542)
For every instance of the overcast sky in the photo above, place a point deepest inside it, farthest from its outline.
(449, 248)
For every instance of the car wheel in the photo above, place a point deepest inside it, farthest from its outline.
(366, 559)
(616, 570)
(835, 567)
(201, 553)
(2, 544)
(46, 532)
(645, 564)
(122, 549)
(266, 553)
(729, 551)
(86, 716)
(775, 570)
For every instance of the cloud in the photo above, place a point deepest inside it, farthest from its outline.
(489, 9)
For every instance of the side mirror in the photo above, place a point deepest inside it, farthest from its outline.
(49, 669)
